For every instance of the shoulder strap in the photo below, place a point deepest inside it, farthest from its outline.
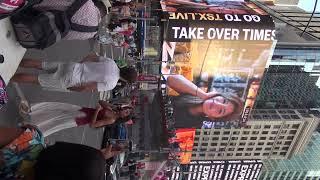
(82, 28)
(76, 5)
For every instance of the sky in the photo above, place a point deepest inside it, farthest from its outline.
(308, 5)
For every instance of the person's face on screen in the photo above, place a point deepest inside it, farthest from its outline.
(217, 107)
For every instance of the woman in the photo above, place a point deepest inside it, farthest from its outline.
(193, 105)
(51, 117)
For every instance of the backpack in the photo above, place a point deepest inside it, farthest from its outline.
(41, 29)
(11, 7)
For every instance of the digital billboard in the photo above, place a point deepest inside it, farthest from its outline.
(219, 170)
(213, 64)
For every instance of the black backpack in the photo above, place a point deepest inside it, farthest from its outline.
(41, 29)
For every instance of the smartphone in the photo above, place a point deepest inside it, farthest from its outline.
(120, 144)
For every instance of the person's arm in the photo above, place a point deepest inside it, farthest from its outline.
(108, 153)
(103, 122)
(85, 87)
(90, 58)
(182, 85)
(95, 114)
(106, 105)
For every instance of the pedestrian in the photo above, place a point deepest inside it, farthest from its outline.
(51, 117)
(90, 14)
(24, 155)
(92, 74)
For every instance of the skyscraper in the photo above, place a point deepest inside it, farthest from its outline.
(303, 166)
(288, 86)
(270, 134)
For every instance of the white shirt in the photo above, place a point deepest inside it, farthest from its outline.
(105, 72)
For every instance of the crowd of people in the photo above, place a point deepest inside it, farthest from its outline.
(24, 154)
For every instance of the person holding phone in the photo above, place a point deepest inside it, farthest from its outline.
(24, 156)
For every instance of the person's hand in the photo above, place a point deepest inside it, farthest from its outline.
(211, 94)
(99, 107)
(108, 153)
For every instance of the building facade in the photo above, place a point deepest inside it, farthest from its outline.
(288, 86)
(301, 167)
(292, 21)
(270, 134)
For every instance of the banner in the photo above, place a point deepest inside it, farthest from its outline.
(220, 170)
(213, 62)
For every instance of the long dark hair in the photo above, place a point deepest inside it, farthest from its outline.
(188, 101)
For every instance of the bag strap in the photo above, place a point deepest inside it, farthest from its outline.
(76, 5)
(82, 28)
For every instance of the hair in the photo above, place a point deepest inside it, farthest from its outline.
(129, 73)
(68, 161)
(102, 8)
(191, 101)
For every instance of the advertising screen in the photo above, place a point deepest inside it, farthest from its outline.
(213, 64)
(220, 170)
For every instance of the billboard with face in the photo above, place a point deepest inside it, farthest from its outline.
(213, 59)
(213, 64)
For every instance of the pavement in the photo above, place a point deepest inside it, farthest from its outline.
(62, 51)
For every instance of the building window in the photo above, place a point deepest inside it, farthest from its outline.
(215, 139)
(244, 138)
(255, 132)
(236, 132)
(214, 144)
(260, 143)
(263, 138)
(283, 153)
(253, 138)
(264, 132)
(268, 149)
(226, 132)
(229, 154)
(245, 132)
(274, 132)
(225, 138)
(265, 154)
(242, 144)
(272, 138)
(257, 127)
(276, 126)
(293, 132)
(270, 143)
(216, 132)
(251, 144)
(295, 126)
(240, 149)
(238, 154)
(249, 149)
(223, 144)
(231, 149)
(267, 127)
(247, 154)
(256, 154)
(290, 137)
(258, 149)
(204, 144)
